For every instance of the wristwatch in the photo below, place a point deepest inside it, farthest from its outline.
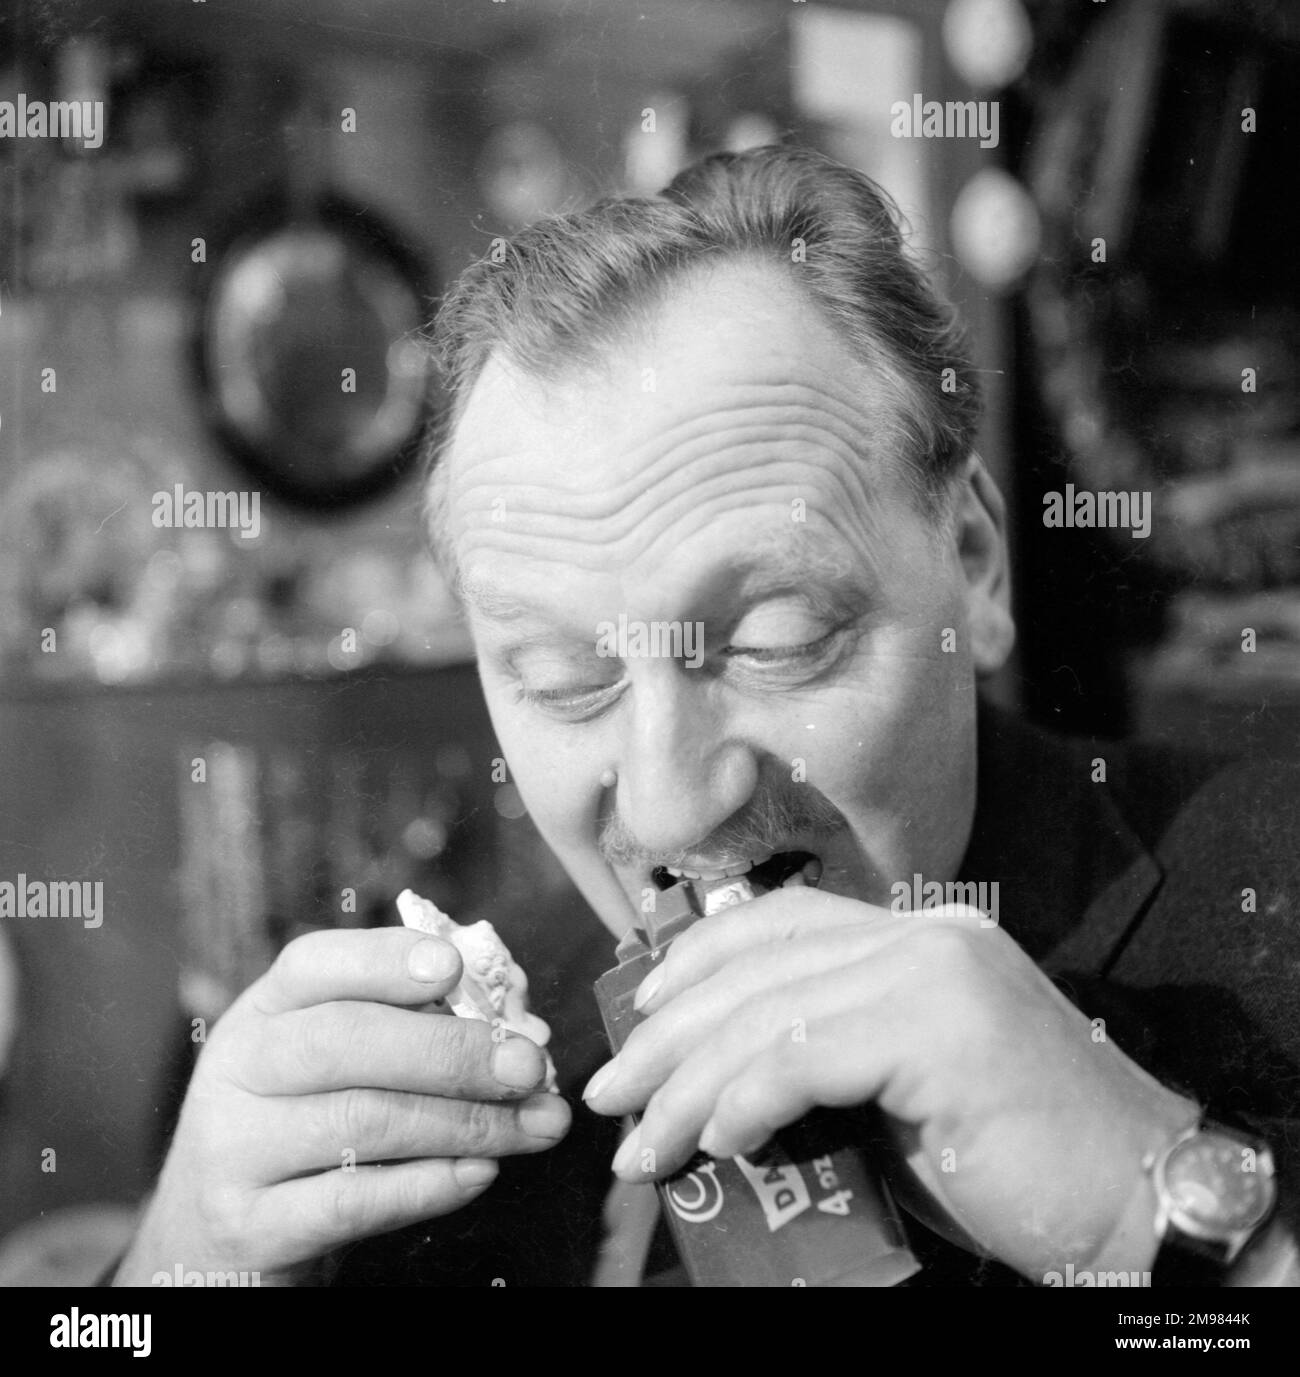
(1215, 1189)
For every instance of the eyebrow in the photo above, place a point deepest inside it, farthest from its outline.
(773, 565)
(490, 602)
(780, 561)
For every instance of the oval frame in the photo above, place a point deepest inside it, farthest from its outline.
(357, 228)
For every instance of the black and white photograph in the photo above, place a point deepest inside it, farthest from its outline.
(651, 643)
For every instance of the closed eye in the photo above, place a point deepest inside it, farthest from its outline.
(575, 704)
(810, 650)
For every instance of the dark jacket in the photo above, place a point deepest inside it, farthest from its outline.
(1130, 893)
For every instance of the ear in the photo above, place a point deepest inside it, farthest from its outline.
(980, 531)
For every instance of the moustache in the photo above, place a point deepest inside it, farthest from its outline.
(766, 824)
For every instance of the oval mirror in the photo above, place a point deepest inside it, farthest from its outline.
(309, 355)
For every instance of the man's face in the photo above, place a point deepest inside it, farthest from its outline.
(730, 471)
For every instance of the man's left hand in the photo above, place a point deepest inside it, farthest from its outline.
(1018, 1116)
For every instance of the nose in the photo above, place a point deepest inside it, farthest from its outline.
(681, 773)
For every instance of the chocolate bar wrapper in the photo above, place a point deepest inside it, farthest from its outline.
(808, 1210)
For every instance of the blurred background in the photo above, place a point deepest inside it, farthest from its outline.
(245, 733)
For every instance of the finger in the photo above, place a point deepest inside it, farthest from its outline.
(788, 1080)
(888, 1042)
(350, 1126)
(390, 965)
(781, 917)
(313, 1214)
(659, 1045)
(345, 1044)
(905, 1014)
(790, 1021)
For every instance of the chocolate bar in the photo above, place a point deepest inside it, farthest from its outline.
(808, 1209)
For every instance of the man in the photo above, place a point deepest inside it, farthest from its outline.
(739, 411)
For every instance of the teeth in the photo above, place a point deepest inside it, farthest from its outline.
(810, 876)
(742, 868)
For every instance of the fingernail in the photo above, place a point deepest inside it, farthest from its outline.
(432, 960)
(627, 1153)
(649, 987)
(544, 1116)
(517, 1063)
(601, 1080)
(709, 1139)
(473, 1172)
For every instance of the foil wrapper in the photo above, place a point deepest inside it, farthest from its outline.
(493, 987)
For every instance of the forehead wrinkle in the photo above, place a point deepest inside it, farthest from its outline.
(772, 465)
(815, 410)
(849, 476)
(839, 494)
(668, 524)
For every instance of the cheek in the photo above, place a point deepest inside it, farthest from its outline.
(555, 770)
(887, 726)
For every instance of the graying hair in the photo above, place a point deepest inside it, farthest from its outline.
(556, 298)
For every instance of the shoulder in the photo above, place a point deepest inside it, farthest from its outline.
(1190, 807)
(1168, 791)
(1228, 904)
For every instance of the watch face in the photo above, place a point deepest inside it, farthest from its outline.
(1219, 1183)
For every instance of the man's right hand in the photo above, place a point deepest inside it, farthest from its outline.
(320, 1071)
